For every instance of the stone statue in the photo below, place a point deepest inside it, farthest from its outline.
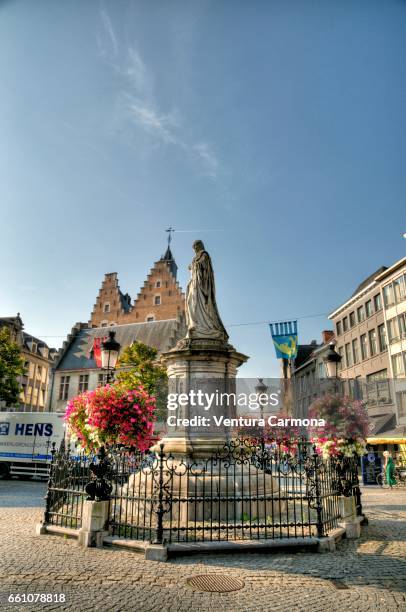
(202, 317)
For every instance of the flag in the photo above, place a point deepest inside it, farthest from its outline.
(284, 336)
(97, 350)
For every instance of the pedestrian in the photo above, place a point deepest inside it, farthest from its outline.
(389, 469)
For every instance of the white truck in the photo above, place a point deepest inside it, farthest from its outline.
(26, 441)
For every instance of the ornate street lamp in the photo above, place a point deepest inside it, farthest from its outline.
(109, 355)
(259, 389)
(332, 361)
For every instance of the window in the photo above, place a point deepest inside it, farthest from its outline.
(399, 289)
(64, 387)
(383, 345)
(402, 325)
(360, 314)
(345, 324)
(352, 319)
(401, 402)
(338, 328)
(83, 383)
(393, 330)
(377, 302)
(149, 319)
(103, 325)
(342, 362)
(39, 371)
(157, 300)
(372, 342)
(106, 307)
(321, 370)
(388, 297)
(355, 354)
(158, 284)
(368, 308)
(378, 389)
(102, 379)
(398, 365)
(348, 355)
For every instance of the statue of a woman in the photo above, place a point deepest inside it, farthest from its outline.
(202, 317)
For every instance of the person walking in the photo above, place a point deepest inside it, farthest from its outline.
(389, 469)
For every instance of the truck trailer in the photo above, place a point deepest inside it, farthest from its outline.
(26, 440)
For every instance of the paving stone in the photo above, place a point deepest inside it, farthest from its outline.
(373, 568)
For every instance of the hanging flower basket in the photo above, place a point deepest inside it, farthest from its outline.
(112, 415)
(346, 428)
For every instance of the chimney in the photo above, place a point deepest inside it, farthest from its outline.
(327, 336)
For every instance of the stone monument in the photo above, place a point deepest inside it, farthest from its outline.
(202, 362)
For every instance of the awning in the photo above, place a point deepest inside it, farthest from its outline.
(393, 440)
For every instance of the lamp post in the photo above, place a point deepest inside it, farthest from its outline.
(109, 355)
(331, 362)
(259, 389)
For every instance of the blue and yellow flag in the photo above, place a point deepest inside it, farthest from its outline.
(284, 336)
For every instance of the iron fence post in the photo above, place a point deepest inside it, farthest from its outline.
(319, 506)
(357, 490)
(160, 510)
(48, 495)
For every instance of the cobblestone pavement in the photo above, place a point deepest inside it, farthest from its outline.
(370, 573)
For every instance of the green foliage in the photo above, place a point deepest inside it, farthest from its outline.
(139, 367)
(11, 368)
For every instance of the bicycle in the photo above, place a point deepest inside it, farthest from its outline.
(400, 477)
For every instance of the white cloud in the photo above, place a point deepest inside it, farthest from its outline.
(111, 36)
(137, 103)
(208, 158)
(159, 126)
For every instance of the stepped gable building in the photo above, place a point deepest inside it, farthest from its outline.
(156, 318)
(159, 299)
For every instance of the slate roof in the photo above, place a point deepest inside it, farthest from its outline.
(168, 257)
(304, 353)
(382, 423)
(368, 280)
(161, 335)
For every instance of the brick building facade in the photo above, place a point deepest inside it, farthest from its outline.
(159, 299)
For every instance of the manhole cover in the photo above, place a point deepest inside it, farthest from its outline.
(339, 584)
(215, 583)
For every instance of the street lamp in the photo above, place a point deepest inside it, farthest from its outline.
(259, 389)
(109, 354)
(331, 362)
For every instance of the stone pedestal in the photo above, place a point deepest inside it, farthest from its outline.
(347, 507)
(208, 366)
(195, 469)
(349, 521)
(94, 519)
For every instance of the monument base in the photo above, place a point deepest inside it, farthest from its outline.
(202, 495)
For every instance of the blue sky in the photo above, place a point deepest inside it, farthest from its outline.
(282, 124)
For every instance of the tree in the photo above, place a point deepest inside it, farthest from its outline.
(139, 367)
(11, 368)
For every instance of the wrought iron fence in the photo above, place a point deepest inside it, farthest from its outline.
(247, 490)
(68, 476)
